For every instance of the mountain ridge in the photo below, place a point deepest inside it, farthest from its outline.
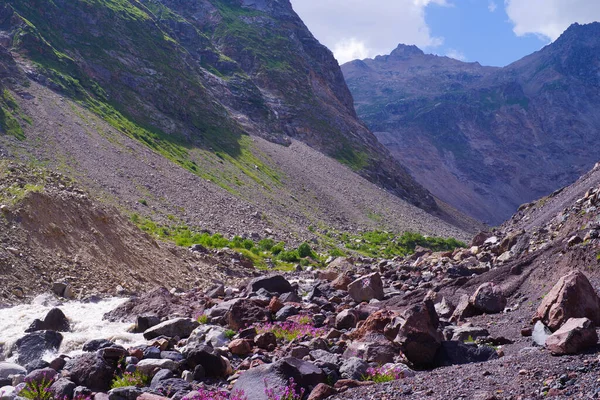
(486, 139)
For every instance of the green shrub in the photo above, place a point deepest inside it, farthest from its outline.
(130, 379)
(203, 319)
(143, 202)
(248, 244)
(288, 256)
(278, 248)
(229, 334)
(304, 250)
(266, 244)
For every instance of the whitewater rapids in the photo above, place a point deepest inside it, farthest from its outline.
(85, 319)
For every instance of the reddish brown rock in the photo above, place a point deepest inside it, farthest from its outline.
(321, 391)
(341, 282)
(572, 297)
(275, 305)
(576, 335)
(240, 347)
(375, 323)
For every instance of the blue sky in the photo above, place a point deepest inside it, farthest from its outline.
(492, 32)
(475, 30)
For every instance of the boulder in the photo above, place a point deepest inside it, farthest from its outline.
(266, 340)
(488, 298)
(341, 282)
(41, 375)
(354, 368)
(273, 284)
(174, 388)
(63, 388)
(32, 346)
(214, 365)
(124, 393)
(464, 309)
(276, 376)
(454, 353)
(572, 297)
(286, 312)
(321, 392)
(444, 309)
(418, 335)
(347, 319)
(97, 344)
(7, 369)
(240, 347)
(178, 327)
(576, 335)
(244, 313)
(468, 333)
(55, 320)
(91, 370)
(366, 288)
(373, 348)
(161, 375)
(147, 366)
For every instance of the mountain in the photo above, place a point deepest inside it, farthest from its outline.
(487, 139)
(225, 115)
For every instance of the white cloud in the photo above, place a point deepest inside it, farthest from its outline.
(366, 28)
(456, 54)
(550, 18)
(350, 49)
(492, 6)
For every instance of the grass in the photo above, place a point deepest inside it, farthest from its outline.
(203, 319)
(229, 334)
(262, 253)
(9, 110)
(130, 379)
(380, 244)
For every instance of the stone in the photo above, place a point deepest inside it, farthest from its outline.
(171, 387)
(213, 364)
(575, 336)
(445, 308)
(341, 282)
(7, 369)
(124, 393)
(97, 344)
(488, 298)
(480, 239)
(273, 284)
(354, 368)
(145, 322)
(63, 289)
(418, 335)
(245, 313)
(275, 305)
(374, 348)
(321, 392)
(347, 319)
(240, 347)
(464, 310)
(574, 240)
(266, 340)
(91, 371)
(468, 333)
(32, 346)
(41, 375)
(540, 333)
(366, 288)
(178, 327)
(572, 297)
(456, 353)
(55, 320)
(276, 376)
(161, 375)
(149, 365)
(286, 312)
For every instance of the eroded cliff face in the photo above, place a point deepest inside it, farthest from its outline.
(200, 74)
(487, 139)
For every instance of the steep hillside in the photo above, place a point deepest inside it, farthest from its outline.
(486, 139)
(217, 115)
(184, 75)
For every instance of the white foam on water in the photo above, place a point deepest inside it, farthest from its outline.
(85, 318)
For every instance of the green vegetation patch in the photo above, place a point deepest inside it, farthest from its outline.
(9, 114)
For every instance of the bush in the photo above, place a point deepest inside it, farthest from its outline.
(266, 244)
(229, 334)
(304, 250)
(130, 379)
(278, 248)
(289, 256)
(38, 390)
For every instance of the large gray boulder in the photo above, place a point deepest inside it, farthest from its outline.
(91, 370)
(178, 327)
(276, 376)
(55, 320)
(488, 298)
(273, 284)
(32, 346)
(366, 288)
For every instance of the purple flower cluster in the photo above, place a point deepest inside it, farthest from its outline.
(287, 393)
(384, 374)
(290, 330)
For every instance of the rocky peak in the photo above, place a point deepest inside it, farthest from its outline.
(406, 51)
